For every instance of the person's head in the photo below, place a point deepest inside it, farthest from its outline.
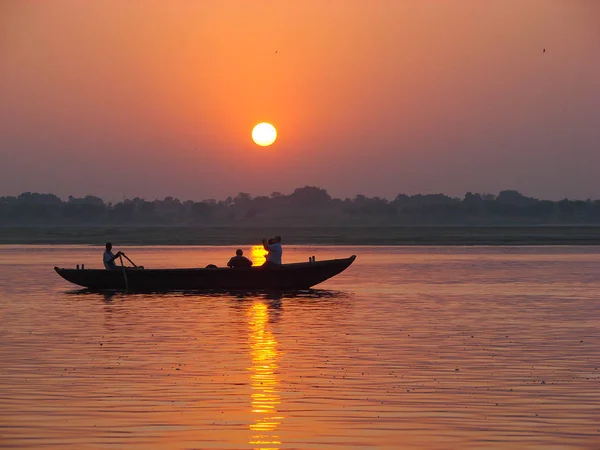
(108, 246)
(239, 252)
(270, 241)
(277, 239)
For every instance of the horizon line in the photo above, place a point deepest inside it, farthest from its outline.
(272, 195)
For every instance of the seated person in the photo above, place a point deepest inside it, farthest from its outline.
(109, 257)
(239, 260)
(275, 251)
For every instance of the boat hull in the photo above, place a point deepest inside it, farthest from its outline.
(294, 276)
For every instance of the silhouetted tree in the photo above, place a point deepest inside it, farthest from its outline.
(304, 206)
(309, 197)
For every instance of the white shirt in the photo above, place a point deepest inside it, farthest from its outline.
(107, 257)
(275, 252)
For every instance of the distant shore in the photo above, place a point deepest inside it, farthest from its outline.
(417, 235)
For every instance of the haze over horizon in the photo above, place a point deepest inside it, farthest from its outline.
(155, 99)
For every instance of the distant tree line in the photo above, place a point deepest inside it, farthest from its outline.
(305, 206)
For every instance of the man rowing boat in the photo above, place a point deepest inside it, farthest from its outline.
(109, 257)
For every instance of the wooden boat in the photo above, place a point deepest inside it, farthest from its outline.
(295, 276)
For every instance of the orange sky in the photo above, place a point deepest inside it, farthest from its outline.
(152, 98)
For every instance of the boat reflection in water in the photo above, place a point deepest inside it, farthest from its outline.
(263, 380)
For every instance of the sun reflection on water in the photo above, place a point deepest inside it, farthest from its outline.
(258, 255)
(263, 380)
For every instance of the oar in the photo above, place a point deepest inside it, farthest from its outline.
(126, 257)
(124, 273)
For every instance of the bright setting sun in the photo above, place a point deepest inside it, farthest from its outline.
(264, 134)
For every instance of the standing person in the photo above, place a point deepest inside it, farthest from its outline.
(275, 251)
(239, 260)
(109, 257)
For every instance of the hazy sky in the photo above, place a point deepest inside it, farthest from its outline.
(155, 98)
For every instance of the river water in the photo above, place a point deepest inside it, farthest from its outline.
(409, 348)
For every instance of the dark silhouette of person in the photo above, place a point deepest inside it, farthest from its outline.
(275, 251)
(109, 257)
(239, 260)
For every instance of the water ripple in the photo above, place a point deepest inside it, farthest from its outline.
(410, 348)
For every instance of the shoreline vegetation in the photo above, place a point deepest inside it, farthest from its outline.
(306, 235)
(309, 215)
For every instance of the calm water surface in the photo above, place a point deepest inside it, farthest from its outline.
(410, 348)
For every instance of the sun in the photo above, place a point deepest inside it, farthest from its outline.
(264, 134)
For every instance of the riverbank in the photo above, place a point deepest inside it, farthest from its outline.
(467, 235)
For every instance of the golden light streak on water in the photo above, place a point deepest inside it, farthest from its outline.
(258, 255)
(263, 380)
